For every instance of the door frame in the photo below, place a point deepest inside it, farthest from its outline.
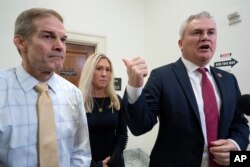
(88, 39)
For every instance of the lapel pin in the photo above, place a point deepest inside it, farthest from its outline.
(219, 75)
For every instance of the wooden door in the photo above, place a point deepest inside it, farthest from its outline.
(76, 54)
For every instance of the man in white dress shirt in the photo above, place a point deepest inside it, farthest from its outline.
(40, 39)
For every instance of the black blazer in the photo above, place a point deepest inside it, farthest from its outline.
(168, 97)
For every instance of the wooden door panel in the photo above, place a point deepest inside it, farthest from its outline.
(76, 54)
(72, 68)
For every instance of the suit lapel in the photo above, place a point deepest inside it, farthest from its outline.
(182, 76)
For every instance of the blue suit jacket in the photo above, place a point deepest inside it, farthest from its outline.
(168, 96)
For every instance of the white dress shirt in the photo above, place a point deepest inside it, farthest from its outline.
(19, 122)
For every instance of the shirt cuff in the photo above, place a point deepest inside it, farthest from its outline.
(236, 144)
(133, 93)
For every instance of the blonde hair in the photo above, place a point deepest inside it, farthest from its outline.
(85, 83)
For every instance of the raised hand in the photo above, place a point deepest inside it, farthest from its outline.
(136, 70)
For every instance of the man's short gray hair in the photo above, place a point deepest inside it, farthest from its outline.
(193, 17)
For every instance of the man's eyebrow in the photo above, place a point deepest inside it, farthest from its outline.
(54, 34)
(65, 36)
(213, 29)
(47, 31)
(201, 29)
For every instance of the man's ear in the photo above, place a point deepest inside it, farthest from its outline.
(20, 43)
(180, 43)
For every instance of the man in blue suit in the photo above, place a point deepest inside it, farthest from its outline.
(173, 95)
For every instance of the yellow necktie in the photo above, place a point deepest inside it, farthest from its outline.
(48, 154)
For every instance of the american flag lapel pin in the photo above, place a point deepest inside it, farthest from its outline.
(219, 75)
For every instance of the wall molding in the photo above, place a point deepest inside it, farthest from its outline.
(88, 39)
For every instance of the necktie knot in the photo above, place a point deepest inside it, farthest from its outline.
(42, 87)
(202, 70)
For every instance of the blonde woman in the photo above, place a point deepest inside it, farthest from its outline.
(107, 127)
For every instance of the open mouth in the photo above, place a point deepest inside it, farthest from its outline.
(204, 47)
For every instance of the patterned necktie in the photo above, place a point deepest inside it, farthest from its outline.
(211, 112)
(48, 154)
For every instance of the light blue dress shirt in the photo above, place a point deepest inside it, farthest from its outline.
(19, 121)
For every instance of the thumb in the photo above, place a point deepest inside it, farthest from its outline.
(125, 61)
(106, 159)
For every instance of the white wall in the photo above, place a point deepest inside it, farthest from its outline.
(147, 28)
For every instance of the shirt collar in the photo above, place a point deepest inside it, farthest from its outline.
(191, 67)
(28, 82)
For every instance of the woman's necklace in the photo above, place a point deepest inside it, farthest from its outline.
(100, 108)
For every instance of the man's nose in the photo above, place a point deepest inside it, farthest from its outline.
(205, 36)
(59, 45)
